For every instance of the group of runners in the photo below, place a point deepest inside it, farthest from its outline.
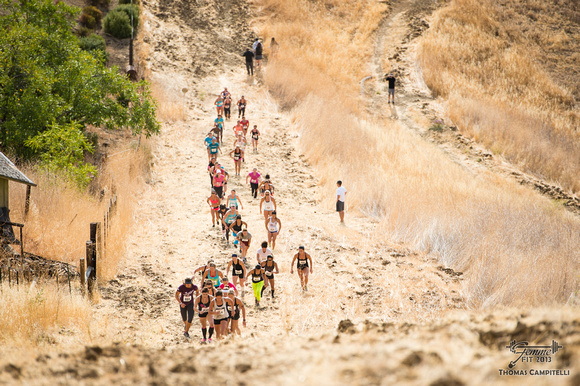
(218, 301)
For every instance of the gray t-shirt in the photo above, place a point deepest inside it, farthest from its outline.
(247, 237)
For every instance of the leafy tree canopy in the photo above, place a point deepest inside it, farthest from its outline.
(47, 81)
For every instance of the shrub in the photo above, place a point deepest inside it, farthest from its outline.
(100, 3)
(118, 24)
(94, 12)
(83, 31)
(92, 42)
(127, 9)
(87, 21)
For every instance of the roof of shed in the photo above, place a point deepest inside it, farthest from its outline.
(10, 172)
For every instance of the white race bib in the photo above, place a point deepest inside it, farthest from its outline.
(186, 298)
(204, 310)
(239, 271)
(269, 273)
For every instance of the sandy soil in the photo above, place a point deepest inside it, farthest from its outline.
(374, 313)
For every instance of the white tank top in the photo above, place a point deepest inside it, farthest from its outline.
(269, 205)
(273, 225)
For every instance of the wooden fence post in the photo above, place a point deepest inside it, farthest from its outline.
(82, 272)
(90, 254)
(27, 202)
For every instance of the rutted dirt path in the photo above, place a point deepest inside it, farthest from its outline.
(400, 303)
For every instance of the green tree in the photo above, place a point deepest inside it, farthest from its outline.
(48, 81)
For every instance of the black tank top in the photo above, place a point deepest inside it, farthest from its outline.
(201, 305)
(269, 269)
(237, 268)
(257, 277)
(237, 227)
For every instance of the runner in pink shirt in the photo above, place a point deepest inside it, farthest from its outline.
(254, 178)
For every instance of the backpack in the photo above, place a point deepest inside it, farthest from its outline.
(259, 48)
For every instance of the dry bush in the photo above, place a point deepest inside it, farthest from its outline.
(32, 315)
(515, 247)
(487, 67)
(57, 226)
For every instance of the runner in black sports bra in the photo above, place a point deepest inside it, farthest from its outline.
(238, 304)
(202, 311)
(238, 272)
(270, 268)
(304, 268)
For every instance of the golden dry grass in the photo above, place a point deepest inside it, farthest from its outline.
(35, 315)
(515, 247)
(57, 226)
(489, 68)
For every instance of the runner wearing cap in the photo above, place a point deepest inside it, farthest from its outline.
(257, 275)
(235, 317)
(270, 268)
(273, 226)
(263, 252)
(238, 271)
(185, 297)
(202, 303)
(218, 308)
(245, 239)
(268, 203)
(303, 266)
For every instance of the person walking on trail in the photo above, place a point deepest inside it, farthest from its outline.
(214, 203)
(255, 133)
(263, 252)
(219, 104)
(257, 275)
(238, 272)
(228, 219)
(274, 47)
(254, 178)
(202, 269)
(218, 309)
(242, 103)
(245, 239)
(228, 285)
(225, 94)
(185, 295)
(240, 142)
(213, 274)
(235, 316)
(391, 79)
(273, 226)
(218, 183)
(245, 125)
(269, 204)
(266, 185)
(303, 265)
(228, 107)
(270, 268)
(340, 197)
(258, 51)
(237, 155)
(214, 148)
(236, 227)
(249, 55)
(234, 199)
(202, 303)
(238, 129)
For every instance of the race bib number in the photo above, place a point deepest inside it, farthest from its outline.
(269, 273)
(186, 298)
(204, 310)
(239, 271)
(222, 313)
(257, 279)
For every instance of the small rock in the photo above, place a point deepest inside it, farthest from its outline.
(243, 367)
(412, 359)
(346, 326)
(13, 370)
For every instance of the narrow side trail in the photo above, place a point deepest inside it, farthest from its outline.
(396, 51)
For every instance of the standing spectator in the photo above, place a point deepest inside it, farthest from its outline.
(258, 51)
(249, 61)
(274, 47)
(340, 197)
(391, 80)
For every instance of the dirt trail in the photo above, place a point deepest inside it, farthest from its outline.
(374, 313)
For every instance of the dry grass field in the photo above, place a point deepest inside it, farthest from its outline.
(510, 72)
(516, 247)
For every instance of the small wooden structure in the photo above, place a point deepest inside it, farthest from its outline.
(9, 172)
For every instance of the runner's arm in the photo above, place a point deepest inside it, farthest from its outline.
(239, 199)
(311, 265)
(292, 264)
(276, 267)
(261, 201)
(228, 268)
(177, 297)
(273, 200)
(279, 224)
